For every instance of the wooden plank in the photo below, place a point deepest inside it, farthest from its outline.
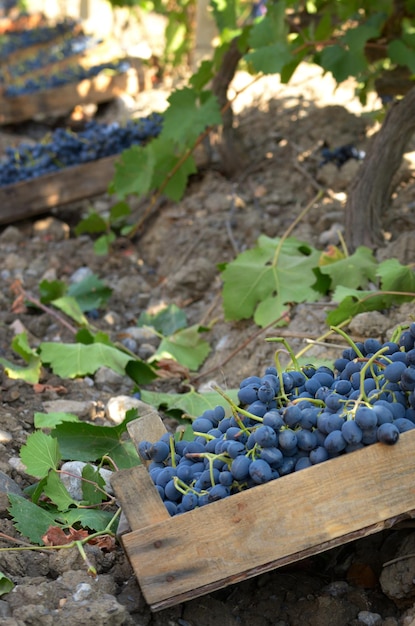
(140, 500)
(148, 427)
(60, 101)
(38, 195)
(274, 524)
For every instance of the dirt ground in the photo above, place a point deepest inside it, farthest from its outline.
(174, 260)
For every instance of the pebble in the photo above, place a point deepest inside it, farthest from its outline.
(369, 619)
(142, 335)
(17, 465)
(107, 376)
(337, 588)
(76, 407)
(51, 228)
(369, 324)
(145, 351)
(83, 591)
(8, 485)
(73, 479)
(80, 274)
(5, 436)
(118, 406)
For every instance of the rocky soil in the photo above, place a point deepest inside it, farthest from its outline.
(174, 260)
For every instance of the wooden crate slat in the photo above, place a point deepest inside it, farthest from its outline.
(60, 101)
(274, 524)
(35, 196)
(141, 503)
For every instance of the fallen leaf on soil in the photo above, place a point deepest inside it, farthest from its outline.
(105, 542)
(362, 575)
(40, 388)
(168, 368)
(56, 536)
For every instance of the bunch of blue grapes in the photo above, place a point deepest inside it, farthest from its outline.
(65, 49)
(64, 148)
(287, 421)
(65, 76)
(20, 40)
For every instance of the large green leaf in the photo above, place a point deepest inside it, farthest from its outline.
(134, 171)
(396, 277)
(188, 116)
(39, 454)
(29, 519)
(353, 271)
(90, 293)
(184, 346)
(166, 321)
(70, 360)
(263, 280)
(191, 403)
(88, 442)
(56, 491)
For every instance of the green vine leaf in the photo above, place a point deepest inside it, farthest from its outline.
(56, 491)
(261, 281)
(191, 403)
(189, 114)
(6, 585)
(88, 442)
(353, 271)
(40, 454)
(184, 346)
(30, 519)
(92, 480)
(29, 373)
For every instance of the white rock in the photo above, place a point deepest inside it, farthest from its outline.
(71, 477)
(118, 406)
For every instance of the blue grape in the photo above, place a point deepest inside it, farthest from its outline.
(260, 471)
(351, 432)
(335, 442)
(265, 436)
(388, 433)
(240, 467)
(366, 417)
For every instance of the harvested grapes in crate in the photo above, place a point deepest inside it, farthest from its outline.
(308, 459)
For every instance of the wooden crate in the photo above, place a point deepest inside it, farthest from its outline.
(60, 101)
(39, 195)
(296, 516)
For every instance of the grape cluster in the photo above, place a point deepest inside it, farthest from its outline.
(19, 40)
(287, 421)
(65, 148)
(339, 156)
(72, 74)
(65, 49)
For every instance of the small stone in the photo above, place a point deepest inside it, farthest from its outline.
(118, 406)
(5, 436)
(51, 228)
(369, 619)
(145, 351)
(369, 324)
(5, 610)
(81, 274)
(83, 591)
(73, 478)
(8, 485)
(76, 407)
(142, 335)
(11, 235)
(107, 376)
(17, 464)
(337, 588)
